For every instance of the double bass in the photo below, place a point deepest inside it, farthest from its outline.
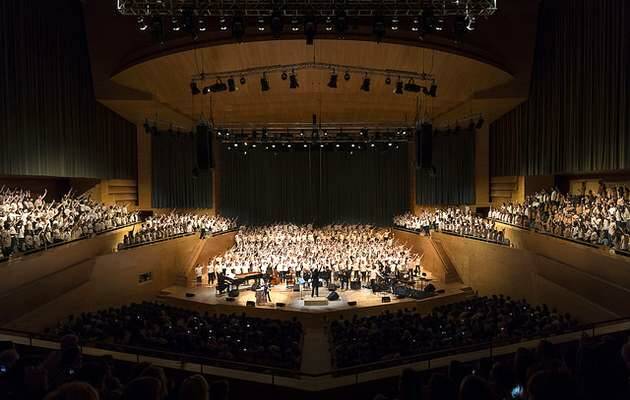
(275, 277)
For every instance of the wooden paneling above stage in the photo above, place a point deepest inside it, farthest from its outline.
(166, 81)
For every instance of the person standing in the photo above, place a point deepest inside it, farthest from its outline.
(211, 273)
(315, 278)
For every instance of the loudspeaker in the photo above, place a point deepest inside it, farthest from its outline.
(251, 303)
(332, 287)
(190, 295)
(233, 293)
(427, 146)
(203, 148)
(429, 288)
(230, 299)
(332, 296)
(385, 299)
(355, 285)
(280, 304)
(352, 303)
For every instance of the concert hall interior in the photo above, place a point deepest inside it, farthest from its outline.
(290, 199)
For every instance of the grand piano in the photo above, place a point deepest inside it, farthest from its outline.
(241, 279)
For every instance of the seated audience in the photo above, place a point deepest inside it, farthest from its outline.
(597, 218)
(162, 327)
(169, 225)
(475, 321)
(452, 220)
(29, 222)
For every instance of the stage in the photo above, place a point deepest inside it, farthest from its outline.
(302, 302)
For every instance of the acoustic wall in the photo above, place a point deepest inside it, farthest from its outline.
(50, 122)
(577, 117)
(173, 158)
(452, 182)
(369, 186)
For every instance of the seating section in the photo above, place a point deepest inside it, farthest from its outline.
(169, 226)
(30, 222)
(476, 321)
(453, 220)
(156, 326)
(599, 219)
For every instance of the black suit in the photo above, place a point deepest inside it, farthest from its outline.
(315, 277)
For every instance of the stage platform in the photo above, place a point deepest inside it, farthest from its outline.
(296, 302)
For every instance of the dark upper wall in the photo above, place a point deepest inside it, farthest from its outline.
(577, 118)
(50, 122)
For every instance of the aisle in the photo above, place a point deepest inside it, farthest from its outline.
(316, 352)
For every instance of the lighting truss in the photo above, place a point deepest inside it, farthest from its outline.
(391, 73)
(305, 133)
(323, 8)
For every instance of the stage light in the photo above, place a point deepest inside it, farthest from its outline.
(363, 132)
(439, 24)
(479, 123)
(264, 83)
(219, 86)
(332, 83)
(238, 28)
(395, 24)
(142, 24)
(223, 24)
(254, 145)
(378, 29)
(337, 145)
(411, 86)
(231, 85)
(175, 25)
(293, 82)
(471, 23)
(276, 24)
(433, 90)
(329, 26)
(284, 76)
(365, 86)
(372, 145)
(388, 80)
(321, 146)
(194, 89)
(301, 132)
(261, 24)
(294, 25)
(243, 80)
(399, 87)
(346, 76)
(201, 25)
(305, 145)
(390, 144)
(206, 90)
(415, 26)
(325, 132)
(310, 29)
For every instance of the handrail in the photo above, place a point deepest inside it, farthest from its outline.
(493, 345)
(452, 233)
(177, 236)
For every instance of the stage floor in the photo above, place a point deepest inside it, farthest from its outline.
(295, 301)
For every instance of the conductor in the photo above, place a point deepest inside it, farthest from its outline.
(315, 278)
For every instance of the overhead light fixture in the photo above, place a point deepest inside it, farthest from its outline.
(395, 24)
(205, 90)
(264, 83)
(365, 86)
(411, 86)
(175, 26)
(415, 26)
(284, 76)
(399, 87)
(388, 80)
(346, 76)
(231, 85)
(243, 80)
(471, 23)
(218, 86)
(293, 82)
(142, 24)
(328, 25)
(295, 27)
(439, 24)
(194, 89)
(202, 26)
(332, 82)
(261, 24)
(223, 24)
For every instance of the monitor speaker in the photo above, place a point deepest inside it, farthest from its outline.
(230, 299)
(427, 146)
(429, 288)
(280, 304)
(352, 303)
(385, 299)
(251, 303)
(190, 294)
(355, 285)
(332, 296)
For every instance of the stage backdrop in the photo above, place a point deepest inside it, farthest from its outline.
(453, 180)
(50, 122)
(321, 187)
(577, 117)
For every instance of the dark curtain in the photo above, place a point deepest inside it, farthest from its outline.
(576, 118)
(368, 186)
(173, 158)
(50, 122)
(453, 181)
